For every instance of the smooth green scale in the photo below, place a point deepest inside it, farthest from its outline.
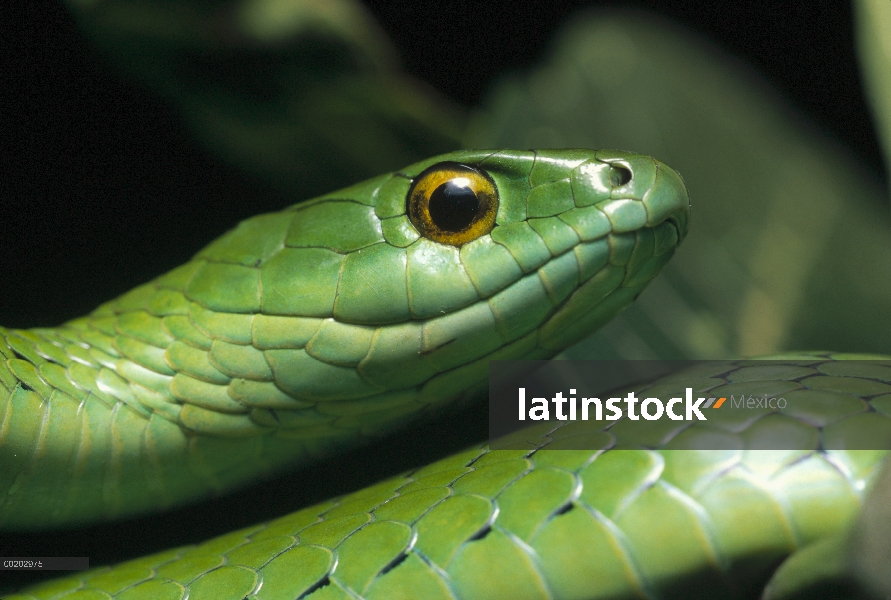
(543, 523)
(311, 329)
(177, 389)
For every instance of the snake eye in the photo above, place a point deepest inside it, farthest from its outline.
(451, 203)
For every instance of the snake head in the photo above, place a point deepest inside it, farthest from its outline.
(398, 291)
(404, 286)
(414, 280)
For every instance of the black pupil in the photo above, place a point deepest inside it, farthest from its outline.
(453, 206)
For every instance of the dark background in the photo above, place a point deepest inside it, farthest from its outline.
(93, 173)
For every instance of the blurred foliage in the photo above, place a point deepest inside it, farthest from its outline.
(790, 239)
(873, 24)
(871, 540)
(306, 95)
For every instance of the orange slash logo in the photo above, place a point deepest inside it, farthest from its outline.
(717, 404)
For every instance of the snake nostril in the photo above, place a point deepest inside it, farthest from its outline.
(619, 175)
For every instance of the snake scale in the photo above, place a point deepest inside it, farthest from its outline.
(306, 331)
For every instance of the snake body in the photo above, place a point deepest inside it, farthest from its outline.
(302, 332)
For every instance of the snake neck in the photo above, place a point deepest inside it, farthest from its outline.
(50, 362)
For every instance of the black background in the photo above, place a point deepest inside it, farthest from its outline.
(91, 165)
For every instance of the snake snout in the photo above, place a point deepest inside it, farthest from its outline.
(633, 191)
(667, 200)
(647, 208)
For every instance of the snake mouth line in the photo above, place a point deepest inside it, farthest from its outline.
(680, 224)
(680, 231)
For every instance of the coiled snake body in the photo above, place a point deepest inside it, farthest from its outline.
(302, 332)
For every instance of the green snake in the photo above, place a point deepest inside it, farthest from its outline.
(305, 331)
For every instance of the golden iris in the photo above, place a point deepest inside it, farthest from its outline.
(451, 203)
